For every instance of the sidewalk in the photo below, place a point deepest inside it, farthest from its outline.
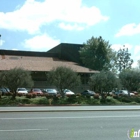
(69, 108)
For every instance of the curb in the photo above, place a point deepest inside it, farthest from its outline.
(68, 108)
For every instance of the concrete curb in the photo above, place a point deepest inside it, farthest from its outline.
(68, 108)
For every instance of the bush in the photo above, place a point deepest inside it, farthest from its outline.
(62, 101)
(93, 101)
(20, 94)
(25, 101)
(39, 101)
(0, 94)
(28, 96)
(8, 94)
(72, 99)
(81, 100)
(115, 96)
(96, 96)
(125, 99)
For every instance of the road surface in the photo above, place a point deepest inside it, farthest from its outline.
(80, 125)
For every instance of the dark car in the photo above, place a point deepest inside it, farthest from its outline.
(4, 90)
(88, 92)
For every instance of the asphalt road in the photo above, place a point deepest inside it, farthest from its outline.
(82, 125)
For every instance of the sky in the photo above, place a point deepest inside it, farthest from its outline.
(39, 25)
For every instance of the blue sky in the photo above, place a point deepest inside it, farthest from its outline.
(39, 25)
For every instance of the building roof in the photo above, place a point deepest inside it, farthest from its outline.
(36, 63)
(67, 51)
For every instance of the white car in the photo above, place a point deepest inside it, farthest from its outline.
(68, 92)
(22, 90)
(124, 92)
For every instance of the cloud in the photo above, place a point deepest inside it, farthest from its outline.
(69, 14)
(67, 26)
(117, 47)
(129, 30)
(40, 43)
(137, 50)
(1, 42)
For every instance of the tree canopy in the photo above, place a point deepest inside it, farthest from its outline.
(63, 78)
(130, 79)
(16, 78)
(123, 59)
(97, 54)
(105, 81)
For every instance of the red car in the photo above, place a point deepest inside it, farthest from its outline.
(36, 91)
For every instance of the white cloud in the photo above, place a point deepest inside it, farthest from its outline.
(1, 42)
(117, 47)
(135, 64)
(33, 14)
(137, 50)
(40, 43)
(71, 26)
(129, 30)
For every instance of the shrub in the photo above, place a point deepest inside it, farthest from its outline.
(20, 94)
(125, 99)
(8, 94)
(55, 99)
(72, 99)
(33, 95)
(81, 100)
(115, 96)
(25, 101)
(62, 101)
(93, 101)
(28, 96)
(103, 100)
(136, 99)
(96, 96)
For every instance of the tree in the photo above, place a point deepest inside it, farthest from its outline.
(130, 79)
(63, 77)
(103, 82)
(124, 61)
(15, 78)
(97, 54)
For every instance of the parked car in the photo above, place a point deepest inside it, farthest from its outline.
(68, 92)
(22, 90)
(123, 92)
(50, 91)
(36, 91)
(4, 90)
(88, 92)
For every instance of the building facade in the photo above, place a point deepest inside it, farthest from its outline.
(40, 63)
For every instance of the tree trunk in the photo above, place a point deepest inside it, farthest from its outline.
(14, 95)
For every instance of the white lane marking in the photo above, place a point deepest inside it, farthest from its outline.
(79, 117)
(23, 130)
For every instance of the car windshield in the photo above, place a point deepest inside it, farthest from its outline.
(125, 91)
(36, 89)
(50, 90)
(67, 90)
(21, 89)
